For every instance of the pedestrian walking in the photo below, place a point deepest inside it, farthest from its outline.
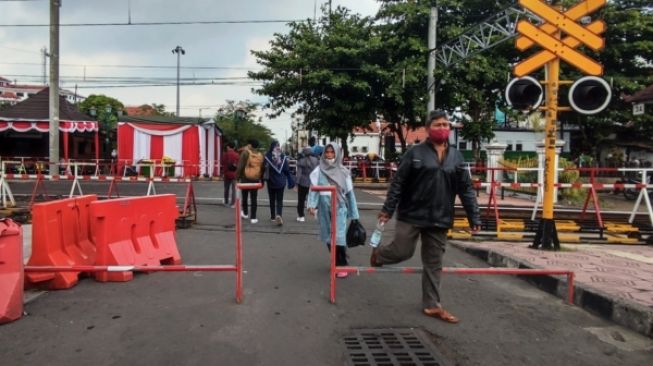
(250, 170)
(422, 193)
(277, 175)
(229, 167)
(305, 165)
(331, 172)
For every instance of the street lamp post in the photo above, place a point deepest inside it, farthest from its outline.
(239, 114)
(179, 51)
(104, 119)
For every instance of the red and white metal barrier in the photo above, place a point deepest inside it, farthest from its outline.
(459, 271)
(237, 267)
(593, 186)
(131, 268)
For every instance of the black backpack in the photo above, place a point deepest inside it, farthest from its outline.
(356, 234)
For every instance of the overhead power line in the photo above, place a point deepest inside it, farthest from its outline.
(168, 84)
(20, 50)
(189, 22)
(136, 66)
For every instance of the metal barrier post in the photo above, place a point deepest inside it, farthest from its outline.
(643, 195)
(75, 181)
(332, 272)
(5, 190)
(239, 237)
(595, 200)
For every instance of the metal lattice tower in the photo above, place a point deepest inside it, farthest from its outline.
(491, 32)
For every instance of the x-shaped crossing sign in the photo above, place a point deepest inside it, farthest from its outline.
(564, 48)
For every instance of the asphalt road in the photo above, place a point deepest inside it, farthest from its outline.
(286, 318)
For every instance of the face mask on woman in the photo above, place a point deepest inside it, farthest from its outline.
(330, 161)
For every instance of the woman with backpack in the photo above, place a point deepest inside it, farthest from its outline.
(305, 165)
(250, 170)
(331, 172)
(277, 176)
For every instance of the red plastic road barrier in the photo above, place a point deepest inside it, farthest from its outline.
(471, 271)
(239, 238)
(11, 271)
(61, 236)
(134, 231)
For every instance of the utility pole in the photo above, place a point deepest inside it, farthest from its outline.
(431, 88)
(54, 86)
(44, 52)
(179, 51)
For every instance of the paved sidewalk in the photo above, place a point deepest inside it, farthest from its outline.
(613, 281)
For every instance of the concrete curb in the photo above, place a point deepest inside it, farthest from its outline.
(634, 316)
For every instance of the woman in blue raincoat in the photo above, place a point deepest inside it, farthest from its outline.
(331, 172)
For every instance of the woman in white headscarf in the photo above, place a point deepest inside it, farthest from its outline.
(330, 171)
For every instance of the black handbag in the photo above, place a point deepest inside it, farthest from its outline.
(356, 234)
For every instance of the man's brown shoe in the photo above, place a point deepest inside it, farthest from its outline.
(440, 313)
(374, 258)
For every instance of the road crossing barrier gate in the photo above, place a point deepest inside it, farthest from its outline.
(409, 270)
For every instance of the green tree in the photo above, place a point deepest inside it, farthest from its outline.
(240, 130)
(104, 108)
(322, 70)
(628, 63)
(401, 57)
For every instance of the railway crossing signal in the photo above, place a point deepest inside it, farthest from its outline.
(559, 38)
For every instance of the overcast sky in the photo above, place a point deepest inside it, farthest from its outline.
(93, 53)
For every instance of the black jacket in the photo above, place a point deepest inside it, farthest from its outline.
(424, 190)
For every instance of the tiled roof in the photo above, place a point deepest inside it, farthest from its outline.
(644, 95)
(419, 134)
(11, 95)
(138, 111)
(37, 108)
(18, 86)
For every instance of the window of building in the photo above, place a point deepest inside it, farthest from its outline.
(508, 145)
(518, 146)
(462, 145)
(354, 149)
(364, 149)
(20, 94)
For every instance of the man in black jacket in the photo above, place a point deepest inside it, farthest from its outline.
(423, 193)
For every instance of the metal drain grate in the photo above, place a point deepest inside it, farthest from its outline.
(389, 347)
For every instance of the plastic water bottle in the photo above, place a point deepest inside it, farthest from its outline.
(375, 239)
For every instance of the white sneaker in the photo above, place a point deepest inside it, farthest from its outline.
(301, 219)
(242, 214)
(279, 220)
(254, 221)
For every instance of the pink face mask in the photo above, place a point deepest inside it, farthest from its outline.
(439, 135)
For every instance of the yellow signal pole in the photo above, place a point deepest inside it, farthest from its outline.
(546, 232)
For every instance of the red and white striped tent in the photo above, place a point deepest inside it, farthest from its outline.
(32, 115)
(194, 144)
